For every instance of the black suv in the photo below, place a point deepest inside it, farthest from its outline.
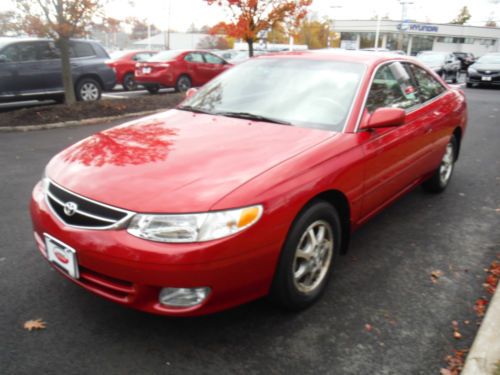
(31, 69)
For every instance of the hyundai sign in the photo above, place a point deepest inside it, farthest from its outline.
(418, 27)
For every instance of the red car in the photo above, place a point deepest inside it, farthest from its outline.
(123, 63)
(252, 186)
(179, 69)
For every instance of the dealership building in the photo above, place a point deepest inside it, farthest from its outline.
(413, 37)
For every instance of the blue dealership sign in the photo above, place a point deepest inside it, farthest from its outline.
(418, 27)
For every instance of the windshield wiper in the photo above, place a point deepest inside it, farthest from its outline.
(193, 109)
(252, 116)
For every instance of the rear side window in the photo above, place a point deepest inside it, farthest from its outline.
(211, 59)
(427, 86)
(47, 51)
(81, 49)
(391, 87)
(194, 57)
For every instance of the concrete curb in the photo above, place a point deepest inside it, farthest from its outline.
(485, 351)
(67, 124)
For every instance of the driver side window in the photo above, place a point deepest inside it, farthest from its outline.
(391, 87)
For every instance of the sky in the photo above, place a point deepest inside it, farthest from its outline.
(183, 13)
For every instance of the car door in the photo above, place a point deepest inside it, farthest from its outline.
(394, 156)
(214, 65)
(196, 68)
(26, 77)
(436, 105)
(50, 66)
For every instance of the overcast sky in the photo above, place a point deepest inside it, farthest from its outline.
(185, 12)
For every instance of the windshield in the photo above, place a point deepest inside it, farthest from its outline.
(164, 56)
(432, 58)
(489, 59)
(304, 93)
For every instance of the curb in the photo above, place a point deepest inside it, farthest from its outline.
(67, 124)
(485, 351)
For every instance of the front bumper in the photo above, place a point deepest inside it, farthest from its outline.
(131, 271)
(477, 78)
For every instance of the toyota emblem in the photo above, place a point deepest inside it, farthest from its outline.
(70, 208)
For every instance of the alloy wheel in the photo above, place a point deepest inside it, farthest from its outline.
(446, 166)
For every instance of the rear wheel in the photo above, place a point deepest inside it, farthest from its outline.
(88, 90)
(129, 83)
(455, 77)
(153, 89)
(442, 176)
(308, 257)
(183, 83)
(469, 85)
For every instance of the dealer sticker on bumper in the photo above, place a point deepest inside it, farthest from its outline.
(62, 256)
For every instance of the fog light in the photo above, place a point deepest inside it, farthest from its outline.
(183, 297)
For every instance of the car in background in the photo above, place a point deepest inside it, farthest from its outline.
(123, 63)
(485, 71)
(466, 59)
(445, 64)
(180, 69)
(250, 187)
(31, 69)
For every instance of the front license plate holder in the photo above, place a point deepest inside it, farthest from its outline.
(62, 255)
(485, 78)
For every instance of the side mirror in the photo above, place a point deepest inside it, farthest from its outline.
(190, 92)
(384, 118)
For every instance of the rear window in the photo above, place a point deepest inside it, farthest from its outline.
(81, 49)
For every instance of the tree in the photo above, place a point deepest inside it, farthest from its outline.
(60, 20)
(314, 33)
(490, 23)
(8, 23)
(250, 17)
(463, 16)
(213, 42)
(140, 28)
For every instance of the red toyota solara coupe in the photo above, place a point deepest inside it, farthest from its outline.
(179, 69)
(123, 63)
(252, 186)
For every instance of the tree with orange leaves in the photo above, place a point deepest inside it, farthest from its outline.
(250, 17)
(60, 20)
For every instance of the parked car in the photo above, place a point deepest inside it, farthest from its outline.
(443, 63)
(123, 62)
(179, 69)
(31, 69)
(250, 187)
(485, 71)
(399, 52)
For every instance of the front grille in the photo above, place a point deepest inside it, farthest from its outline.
(81, 212)
(118, 290)
(488, 72)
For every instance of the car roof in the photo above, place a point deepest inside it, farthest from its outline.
(364, 57)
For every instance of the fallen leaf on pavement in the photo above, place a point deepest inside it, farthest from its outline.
(368, 327)
(480, 306)
(435, 275)
(34, 324)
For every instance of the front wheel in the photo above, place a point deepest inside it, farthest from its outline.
(129, 83)
(308, 257)
(88, 90)
(442, 176)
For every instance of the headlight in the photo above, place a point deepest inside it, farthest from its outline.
(193, 227)
(471, 71)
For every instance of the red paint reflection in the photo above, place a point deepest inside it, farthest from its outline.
(129, 145)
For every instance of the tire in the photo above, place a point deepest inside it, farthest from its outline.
(129, 83)
(88, 90)
(153, 89)
(289, 289)
(183, 83)
(438, 182)
(455, 78)
(469, 85)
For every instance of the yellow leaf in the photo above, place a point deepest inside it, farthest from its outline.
(34, 324)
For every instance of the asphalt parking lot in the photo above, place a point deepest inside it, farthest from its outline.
(384, 281)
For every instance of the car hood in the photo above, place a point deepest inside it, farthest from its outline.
(492, 67)
(176, 161)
